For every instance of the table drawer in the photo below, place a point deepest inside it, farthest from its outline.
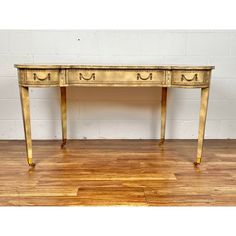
(42, 77)
(190, 78)
(116, 77)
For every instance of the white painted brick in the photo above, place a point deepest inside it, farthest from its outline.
(55, 59)
(40, 129)
(225, 67)
(46, 129)
(229, 88)
(51, 129)
(222, 110)
(212, 129)
(228, 129)
(83, 129)
(18, 59)
(219, 89)
(5, 67)
(183, 109)
(10, 109)
(180, 129)
(187, 60)
(188, 129)
(20, 41)
(4, 41)
(66, 42)
(44, 42)
(116, 42)
(175, 94)
(210, 44)
(9, 88)
(121, 60)
(223, 89)
(73, 109)
(118, 110)
(162, 43)
(45, 93)
(8, 129)
(7, 63)
(185, 129)
(128, 129)
(233, 44)
(45, 109)
(19, 130)
(114, 94)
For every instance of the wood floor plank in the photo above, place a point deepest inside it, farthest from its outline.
(118, 172)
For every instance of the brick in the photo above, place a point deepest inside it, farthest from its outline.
(20, 42)
(4, 41)
(208, 43)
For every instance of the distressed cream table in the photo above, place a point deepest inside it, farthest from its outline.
(113, 76)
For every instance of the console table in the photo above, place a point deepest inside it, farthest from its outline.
(63, 76)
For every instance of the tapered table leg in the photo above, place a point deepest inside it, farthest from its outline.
(202, 123)
(163, 114)
(24, 95)
(63, 116)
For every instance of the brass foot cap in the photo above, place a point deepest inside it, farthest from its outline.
(32, 164)
(196, 163)
(63, 144)
(161, 142)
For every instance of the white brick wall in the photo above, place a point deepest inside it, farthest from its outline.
(119, 112)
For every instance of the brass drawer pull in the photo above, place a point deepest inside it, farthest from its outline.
(139, 77)
(183, 77)
(42, 79)
(92, 77)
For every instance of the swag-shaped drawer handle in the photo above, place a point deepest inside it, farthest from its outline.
(194, 78)
(92, 77)
(42, 79)
(149, 77)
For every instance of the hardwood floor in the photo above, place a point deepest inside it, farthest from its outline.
(118, 172)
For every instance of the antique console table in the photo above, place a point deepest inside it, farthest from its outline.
(113, 76)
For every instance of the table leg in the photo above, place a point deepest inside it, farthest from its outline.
(63, 116)
(24, 95)
(163, 114)
(202, 122)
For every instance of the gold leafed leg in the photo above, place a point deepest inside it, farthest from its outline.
(163, 115)
(63, 116)
(202, 123)
(24, 95)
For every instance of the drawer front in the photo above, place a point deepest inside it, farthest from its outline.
(190, 78)
(116, 77)
(42, 77)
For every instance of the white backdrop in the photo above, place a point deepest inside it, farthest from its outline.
(119, 112)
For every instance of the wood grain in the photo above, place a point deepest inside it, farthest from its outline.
(118, 172)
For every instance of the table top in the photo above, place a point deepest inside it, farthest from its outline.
(86, 66)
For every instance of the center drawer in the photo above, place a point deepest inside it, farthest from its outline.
(115, 77)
